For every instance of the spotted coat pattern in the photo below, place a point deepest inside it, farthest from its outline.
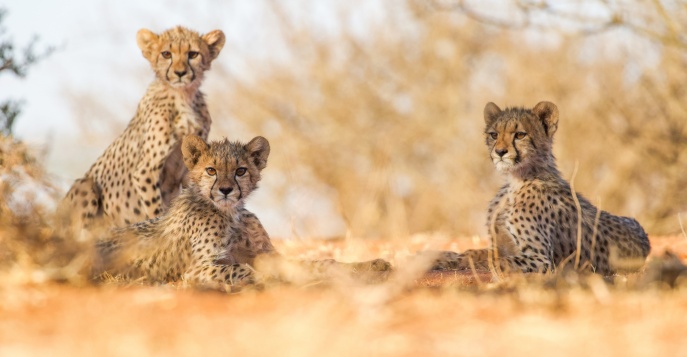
(141, 171)
(535, 222)
(207, 238)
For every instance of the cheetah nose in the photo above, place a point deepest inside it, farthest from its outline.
(226, 190)
(501, 152)
(180, 73)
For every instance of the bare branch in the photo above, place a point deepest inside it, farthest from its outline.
(11, 62)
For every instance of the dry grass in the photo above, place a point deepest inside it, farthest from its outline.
(516, 317)
(30, 248)
(388, 127)
(408, 314)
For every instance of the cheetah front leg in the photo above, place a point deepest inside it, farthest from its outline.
(146, 181)
(302, 271)
(208, 274)
(328, 267)
(172, 176)
(485, 259)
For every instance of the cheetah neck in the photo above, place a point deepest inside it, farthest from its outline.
(232, 212)
(538, 168)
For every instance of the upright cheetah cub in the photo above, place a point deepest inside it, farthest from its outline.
(207, 237)
(533, 220)
(141, 171)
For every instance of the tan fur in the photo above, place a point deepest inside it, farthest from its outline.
(207, 237)
(533, 220)
(141, 171)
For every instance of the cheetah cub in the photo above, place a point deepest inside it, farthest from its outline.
(534, 222)
(207, 237)
(141, 171)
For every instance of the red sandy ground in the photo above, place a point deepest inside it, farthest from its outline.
(451, 317)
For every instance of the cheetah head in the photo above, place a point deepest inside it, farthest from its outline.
(180, 56)
(520, 138)
(224, 172)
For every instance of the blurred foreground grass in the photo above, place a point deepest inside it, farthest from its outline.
(514, 317)
(409, 314)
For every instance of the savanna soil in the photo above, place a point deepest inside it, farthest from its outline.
(447, 314)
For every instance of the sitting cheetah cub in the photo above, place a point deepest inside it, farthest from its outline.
(207, 237)
(141, 171)
(533, 220)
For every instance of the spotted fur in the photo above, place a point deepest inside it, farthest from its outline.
(141, 171)
(207, 238)
(533, 220)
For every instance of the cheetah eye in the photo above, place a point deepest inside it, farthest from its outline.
(494, 135)
(241, 171)
(192, 54)
(520, 135)
(211, 171)
(166, 54)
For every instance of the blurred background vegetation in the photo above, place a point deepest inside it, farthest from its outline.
(389, 121)
(374, 113)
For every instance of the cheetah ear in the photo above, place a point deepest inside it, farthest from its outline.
(192, 148)
(215, 41)
(491, 111)
(547, 113)
(145, 39)
(259, 150)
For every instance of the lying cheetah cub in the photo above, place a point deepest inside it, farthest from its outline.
(141, 171)
(533, 220)
(207, 237)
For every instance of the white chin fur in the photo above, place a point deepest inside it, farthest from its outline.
(503, 166)
(225, 204)
(179, 84)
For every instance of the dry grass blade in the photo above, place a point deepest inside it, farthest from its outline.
(578, 249)
(595, 231)
(682, 228)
